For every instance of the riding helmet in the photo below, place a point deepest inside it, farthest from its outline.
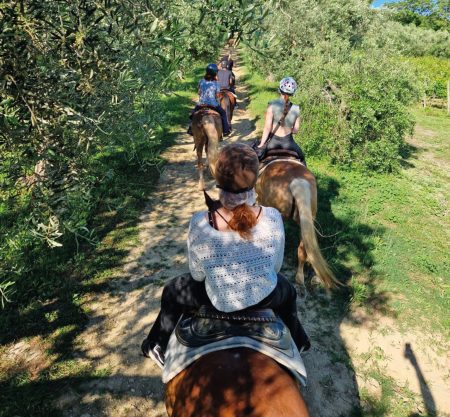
(212, 69)
(236, 168)
(288, 86)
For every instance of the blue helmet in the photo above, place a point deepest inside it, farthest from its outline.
(212, 69)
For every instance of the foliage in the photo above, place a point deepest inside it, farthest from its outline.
(433, 14)
(353, 94)
(409, 40)
(434, 73)
(80, 106)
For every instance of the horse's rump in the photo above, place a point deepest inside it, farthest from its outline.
(234, 383)
(273, 186)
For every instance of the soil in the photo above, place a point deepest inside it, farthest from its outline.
(344, 351)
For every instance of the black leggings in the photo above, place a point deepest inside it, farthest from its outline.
(287, 143)
(183, 294)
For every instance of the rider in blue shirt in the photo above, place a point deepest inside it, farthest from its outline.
(208, 91)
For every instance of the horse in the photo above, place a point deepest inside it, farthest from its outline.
(227, 102)
(238, 382)
(291, 188)
(207, 132)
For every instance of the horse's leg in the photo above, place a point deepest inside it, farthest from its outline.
(200, 167)
(300, 276)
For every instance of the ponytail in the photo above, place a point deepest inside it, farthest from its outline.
(286, 105)
(243, 220)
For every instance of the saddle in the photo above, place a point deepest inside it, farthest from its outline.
(230, 95)
(206, 110)
(274, 155)
(208, 325)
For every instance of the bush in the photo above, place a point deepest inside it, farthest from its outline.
(353, 94)
(81, 87)
(434, 73)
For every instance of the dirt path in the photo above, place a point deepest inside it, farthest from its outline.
(130, 385)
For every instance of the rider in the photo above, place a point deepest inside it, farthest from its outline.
(235, 254)
(284, 138)
(208, 91)
(233, 77)
(225, 78)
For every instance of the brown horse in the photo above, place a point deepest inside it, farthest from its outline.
(207, 132)
(227, 102)
(236, 382)
(291, 188)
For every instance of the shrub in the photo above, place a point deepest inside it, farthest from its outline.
(353, 94)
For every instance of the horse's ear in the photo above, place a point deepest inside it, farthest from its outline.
(210, 203)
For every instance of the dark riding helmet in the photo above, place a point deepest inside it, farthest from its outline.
(224, 64)
(212, 69)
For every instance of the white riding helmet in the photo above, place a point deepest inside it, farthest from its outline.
(288, 86)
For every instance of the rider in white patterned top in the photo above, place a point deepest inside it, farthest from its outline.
(235, 253)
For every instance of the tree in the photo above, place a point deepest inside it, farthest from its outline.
(434, 14)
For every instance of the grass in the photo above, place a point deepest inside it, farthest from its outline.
(46, 327)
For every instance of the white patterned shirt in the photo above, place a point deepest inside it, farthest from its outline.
(238, 273)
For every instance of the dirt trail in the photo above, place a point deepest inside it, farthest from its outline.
(121, 319)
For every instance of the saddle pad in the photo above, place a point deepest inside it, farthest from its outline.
(179, 357)
(262, 167)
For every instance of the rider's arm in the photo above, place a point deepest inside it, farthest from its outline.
(296, 127)
(267, 125)
(195, 266)
(280, 243)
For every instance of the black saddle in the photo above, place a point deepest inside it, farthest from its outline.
(208, 325)
(281, 153)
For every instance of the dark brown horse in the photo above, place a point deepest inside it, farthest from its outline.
(291, 188)
(227, 102)
(207, 132)
(237, 382)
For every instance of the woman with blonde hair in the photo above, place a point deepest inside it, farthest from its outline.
(235, 253)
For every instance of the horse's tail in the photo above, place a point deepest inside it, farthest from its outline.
(301, 190)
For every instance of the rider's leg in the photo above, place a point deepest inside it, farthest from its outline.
(179, 294)
(197, 107)
(283, 301)
(223, 116)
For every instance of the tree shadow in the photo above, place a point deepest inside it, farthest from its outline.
(35, 398)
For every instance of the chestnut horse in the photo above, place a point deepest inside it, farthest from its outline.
(207, 132)
(227, 102)
(237, 382)
(291, 188)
